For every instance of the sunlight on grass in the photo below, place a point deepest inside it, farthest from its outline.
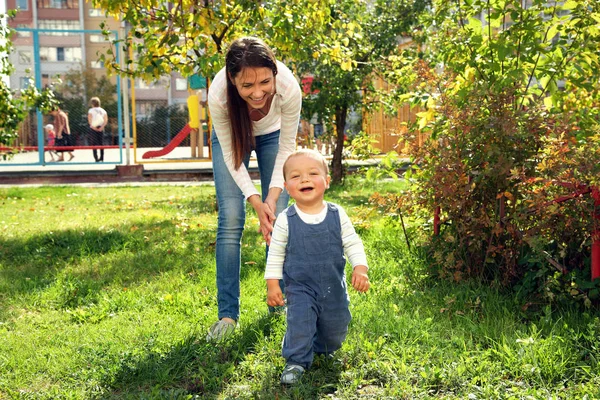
(109, 292)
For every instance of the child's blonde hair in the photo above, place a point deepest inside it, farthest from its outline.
(315, 155)
(49, 127)
(95, 102)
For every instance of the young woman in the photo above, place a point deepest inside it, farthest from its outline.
(255, 106)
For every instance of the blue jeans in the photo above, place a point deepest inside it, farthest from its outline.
(232, 216)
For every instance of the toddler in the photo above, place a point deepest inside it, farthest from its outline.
(307, 250)
(51, 139)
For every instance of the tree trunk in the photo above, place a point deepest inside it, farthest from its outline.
(337, 171)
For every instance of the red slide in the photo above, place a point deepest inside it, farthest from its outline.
(172, 144)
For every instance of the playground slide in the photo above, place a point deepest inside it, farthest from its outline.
(172, 144)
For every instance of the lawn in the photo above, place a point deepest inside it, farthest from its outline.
(108, 293)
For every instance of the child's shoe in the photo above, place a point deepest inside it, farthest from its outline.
(220, 330)
(292, 374)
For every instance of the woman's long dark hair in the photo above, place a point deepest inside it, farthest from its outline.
(244, 52)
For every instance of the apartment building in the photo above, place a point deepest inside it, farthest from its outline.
(62, 51)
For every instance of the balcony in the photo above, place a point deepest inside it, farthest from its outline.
(58, 4)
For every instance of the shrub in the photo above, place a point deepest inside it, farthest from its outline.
(511, 159)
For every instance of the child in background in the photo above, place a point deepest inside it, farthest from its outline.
(307, 250)
(51, 139)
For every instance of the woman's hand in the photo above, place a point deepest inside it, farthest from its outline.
(266, 217)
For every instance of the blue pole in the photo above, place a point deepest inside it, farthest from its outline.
(38, 85)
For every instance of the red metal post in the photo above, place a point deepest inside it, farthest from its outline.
(596, 235)
(436, 221)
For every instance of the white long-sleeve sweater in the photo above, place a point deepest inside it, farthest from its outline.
(351, 242)
(284, 115)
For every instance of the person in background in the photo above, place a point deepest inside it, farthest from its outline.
(97, 120)
(322, 140)
(255, 106)
(307, 250)
(63, 133)
(50, 140)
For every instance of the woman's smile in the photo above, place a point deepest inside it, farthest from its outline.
(255, 85)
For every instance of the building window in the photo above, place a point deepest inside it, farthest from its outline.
(146, 108)
(22, 5)
(71, 54)
(97, 65)
(96, 12)
(65, 4)
(101, 38)
(23, 33)
(25, 82)
(161, 83)
(181, 84)
(25, 57)
(141, 84)
(58, 24)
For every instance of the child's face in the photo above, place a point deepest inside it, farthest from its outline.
(306, 180)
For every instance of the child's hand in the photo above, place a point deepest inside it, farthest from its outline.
(274, 295)
(360, 279)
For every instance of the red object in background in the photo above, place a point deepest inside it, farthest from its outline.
(596, 236)
(436, 221)
(172, 144)
(307, 85)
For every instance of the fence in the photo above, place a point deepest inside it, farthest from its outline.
(158, 117)
(171, 133)
(388, 130)
(67, 61)
(64, 60)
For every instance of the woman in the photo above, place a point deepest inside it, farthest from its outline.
(63, 133)
(97, 120)
(255, 105)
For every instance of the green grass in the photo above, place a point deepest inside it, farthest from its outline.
(108, 293)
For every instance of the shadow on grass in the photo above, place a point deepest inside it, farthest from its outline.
(212, 370)
(193, 366)
(85, 261)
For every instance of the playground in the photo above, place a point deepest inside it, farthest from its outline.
(483, 248)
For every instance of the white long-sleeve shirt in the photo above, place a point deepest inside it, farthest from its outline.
(284, 114)
(351, 242)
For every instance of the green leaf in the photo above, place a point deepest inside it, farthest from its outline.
(569, 5)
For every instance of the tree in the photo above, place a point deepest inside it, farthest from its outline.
(15, 105)
(361, 37)
(190, 36)
(342, 43)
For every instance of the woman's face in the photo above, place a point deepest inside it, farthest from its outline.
(255, 85)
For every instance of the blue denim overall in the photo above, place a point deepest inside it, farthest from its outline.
(315, 288)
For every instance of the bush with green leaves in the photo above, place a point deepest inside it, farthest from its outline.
(509, 96)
